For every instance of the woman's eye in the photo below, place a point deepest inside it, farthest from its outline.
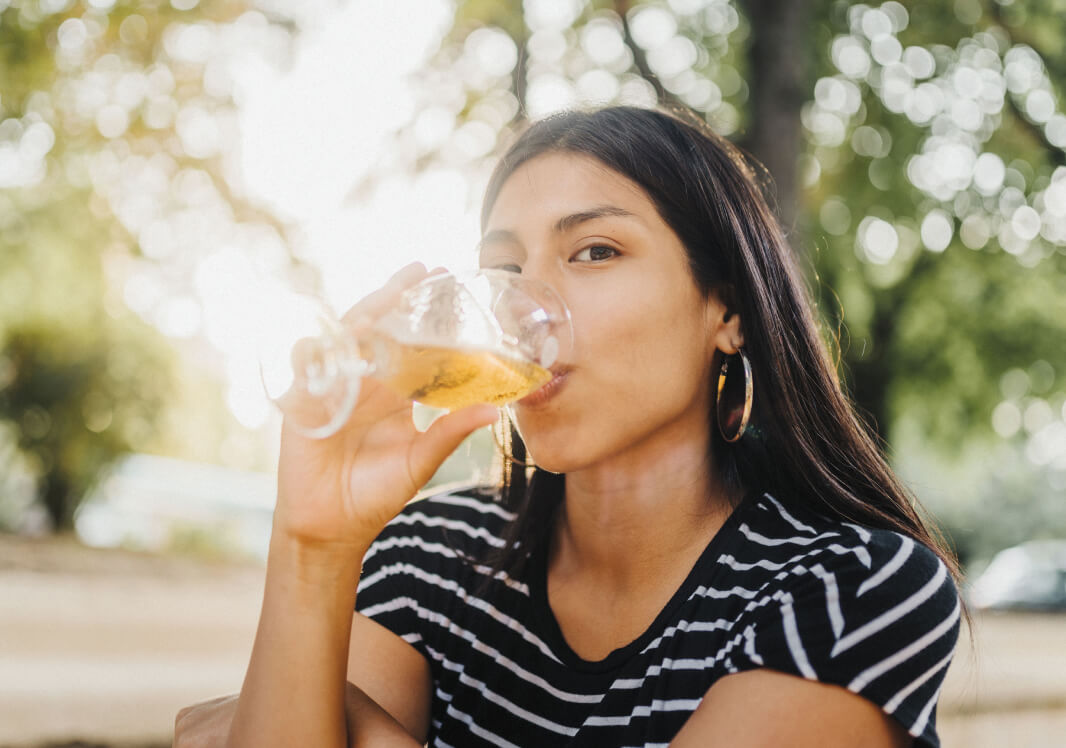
(595, 254)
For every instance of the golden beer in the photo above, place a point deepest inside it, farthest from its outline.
(444, 342)
(454, 378)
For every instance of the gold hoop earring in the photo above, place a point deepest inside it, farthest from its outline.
(502, 436)
(733, 404)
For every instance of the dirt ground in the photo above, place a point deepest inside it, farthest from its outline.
(104, 647)
(1008, 686)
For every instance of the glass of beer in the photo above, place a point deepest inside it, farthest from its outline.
(447, 342)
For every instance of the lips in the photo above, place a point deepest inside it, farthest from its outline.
(549, 390)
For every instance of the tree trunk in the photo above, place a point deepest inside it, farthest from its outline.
(58, 503)
(778, 80)
(779, 58)
(871, 374)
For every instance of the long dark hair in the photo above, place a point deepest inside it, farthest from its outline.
(806, 444)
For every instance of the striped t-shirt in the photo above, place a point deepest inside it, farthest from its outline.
(778, 587)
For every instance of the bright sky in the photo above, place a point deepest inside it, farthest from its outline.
(308, 133)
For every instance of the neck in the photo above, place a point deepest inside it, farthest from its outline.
(626, 520)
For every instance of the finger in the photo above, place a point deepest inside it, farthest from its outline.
(377, 302)
(433, 446)
(316, 391)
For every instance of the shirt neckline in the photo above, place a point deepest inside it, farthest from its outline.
(703, 571)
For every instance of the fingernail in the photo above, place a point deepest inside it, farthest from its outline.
(407, 274)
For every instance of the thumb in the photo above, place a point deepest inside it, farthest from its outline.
(433, 446)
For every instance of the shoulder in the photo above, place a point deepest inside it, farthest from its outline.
(868, 609)
(864, 563)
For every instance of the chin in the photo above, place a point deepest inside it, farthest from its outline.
(548, 448)
(552, 466)
(555, 451)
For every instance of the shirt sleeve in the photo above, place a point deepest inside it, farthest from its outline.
(880, 618)
(417, 573)
(390, 583)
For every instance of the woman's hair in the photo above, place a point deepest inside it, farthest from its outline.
(805, 443)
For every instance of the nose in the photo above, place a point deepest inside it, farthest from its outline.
(539, 267)
(547, 276)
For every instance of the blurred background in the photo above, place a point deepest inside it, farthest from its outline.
(155, 155)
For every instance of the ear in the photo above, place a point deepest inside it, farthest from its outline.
(724, 324)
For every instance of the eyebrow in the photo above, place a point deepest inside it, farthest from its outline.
(564, 224)
(568, 222)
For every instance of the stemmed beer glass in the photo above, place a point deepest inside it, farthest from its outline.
(448, 342)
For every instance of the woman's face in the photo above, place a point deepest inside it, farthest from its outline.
(644, 336)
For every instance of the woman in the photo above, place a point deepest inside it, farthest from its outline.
(709, 551)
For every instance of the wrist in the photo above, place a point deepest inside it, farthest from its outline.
(318, 565)
(314, 544)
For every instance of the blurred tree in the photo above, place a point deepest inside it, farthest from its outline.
(79, 402)
(917, 159)
(937, 198)
(112, 117)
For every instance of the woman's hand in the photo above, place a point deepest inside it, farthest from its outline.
(334, 497)
(341, 491)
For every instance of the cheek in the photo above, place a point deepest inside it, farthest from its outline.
(636, 338)
(605, 324)
(641, 360)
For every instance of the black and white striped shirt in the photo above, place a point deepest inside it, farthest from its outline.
(778, 587)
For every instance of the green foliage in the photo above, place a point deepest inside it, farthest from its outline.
(80, 399)
(931, 334)
(931, 337)
(90, 101)
(83, 381)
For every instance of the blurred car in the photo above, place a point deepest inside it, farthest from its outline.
(1030, 576)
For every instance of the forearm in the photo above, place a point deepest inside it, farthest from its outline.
(294, 690)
